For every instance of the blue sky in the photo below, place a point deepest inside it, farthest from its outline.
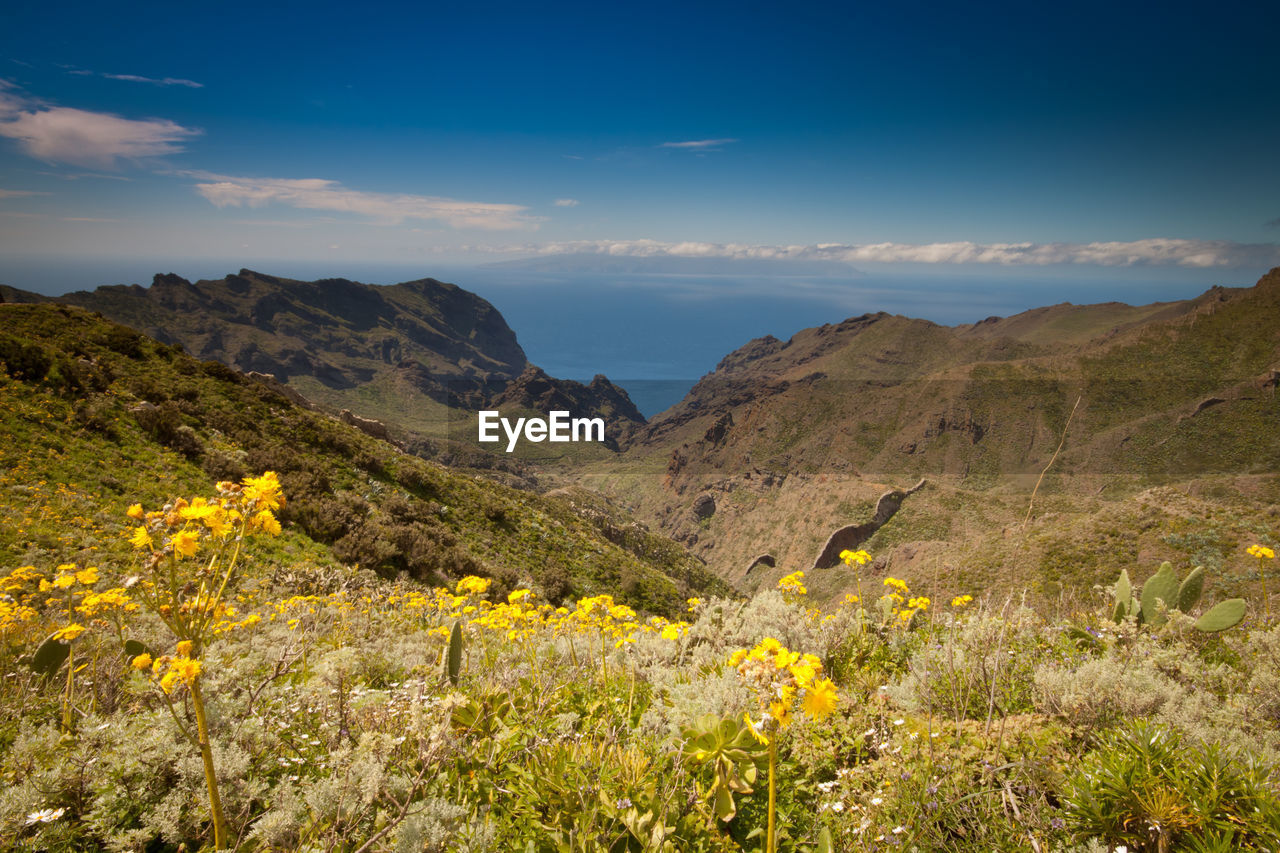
(1086, 140)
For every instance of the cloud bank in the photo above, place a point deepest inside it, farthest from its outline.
(383, 208)
(1154, 252)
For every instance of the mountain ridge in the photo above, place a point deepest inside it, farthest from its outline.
(416, 355)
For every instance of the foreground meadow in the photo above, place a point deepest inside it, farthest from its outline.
(197, 699)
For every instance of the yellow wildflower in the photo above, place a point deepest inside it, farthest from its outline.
(217, 522)
(1262, 552)
(671, 632)
(472, 585)
(64, 581)
(756, 729)
(69, 632)
(198, 508)
(793, 583)
(170, 678)
(266, 522)
(187, 669)
(142, 662)
(140, 538)
(88, 577)
(851, 557)
(518, 595)
(265, 490)
(820, 698)
(185, 543)
(693, 603)
(184, 648)
(961, 600)
(135, 512)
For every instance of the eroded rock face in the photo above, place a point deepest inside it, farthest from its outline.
(850, 537)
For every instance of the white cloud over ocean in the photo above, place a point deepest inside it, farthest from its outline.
(1154, 252)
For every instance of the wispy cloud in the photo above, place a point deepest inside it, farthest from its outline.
(136, 78)
(699, 144)
(1275, 223)
(83, 138)
(87, 219)
(162, 81)
(1155, 252)
(565, 202)
(383, 208)
(18, 193)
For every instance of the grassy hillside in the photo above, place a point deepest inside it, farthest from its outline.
(96, 416)
(789, 440)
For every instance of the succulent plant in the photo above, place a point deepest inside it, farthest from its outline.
(453, 661)
(1164, 588)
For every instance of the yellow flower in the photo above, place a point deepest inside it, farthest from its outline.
(185, 543)
(170, 678)
(64, 581)
(184, 649)
(804, 672)
(217, 522)
(198, 508)
(1262, 552)
(69, 632)
(472, 585)
(266, 522)
(780, 711)
(140, 538)
(265, 490)
(820, 699)
(88, 577)
(851, 557)
(961, 600)
(518, 595)
(756, 729)
(135, 512)
(671, 632)
(693, 603)
(187, 669)
(142, 662)
(793, 583)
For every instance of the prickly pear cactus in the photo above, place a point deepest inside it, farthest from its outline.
(1220, 617)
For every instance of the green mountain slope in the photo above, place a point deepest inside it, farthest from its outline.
(422, 356)
(96, 416)
(786, 441)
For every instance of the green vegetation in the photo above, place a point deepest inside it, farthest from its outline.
(93, 413)
(219, 709)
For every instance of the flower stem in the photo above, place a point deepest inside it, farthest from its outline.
(771, 838)
(210, 776)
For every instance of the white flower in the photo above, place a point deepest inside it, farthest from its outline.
(875, 801)
(898, 830)
(899, 721)
(45, 816)
(837, 806)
